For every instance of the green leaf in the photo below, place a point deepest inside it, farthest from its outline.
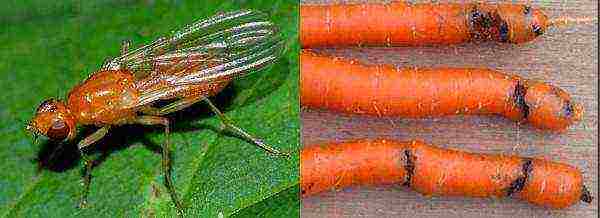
(48, 47)
(275, 206)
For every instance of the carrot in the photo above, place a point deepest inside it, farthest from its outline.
(434, 171)
(347, 86)
(406, 24)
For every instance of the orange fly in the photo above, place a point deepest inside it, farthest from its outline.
(188, 66)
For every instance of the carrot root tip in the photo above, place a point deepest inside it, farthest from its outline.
(577, 112)
(586, 196)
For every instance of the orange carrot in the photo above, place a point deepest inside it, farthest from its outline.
(434, 171)
(418, 24)
(347, 86)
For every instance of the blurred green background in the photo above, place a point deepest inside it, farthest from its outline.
(47, 47)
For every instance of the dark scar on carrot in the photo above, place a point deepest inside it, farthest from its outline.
(537, 29)
(519, 99)
(519, 183)
(485, 24)
(480, 23)
(503, 30)
(308, 187)
(478, 18)
(526, 9)
(409, 167)
(586, 196)
(568, 109)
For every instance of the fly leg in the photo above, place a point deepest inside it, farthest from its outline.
(227, 123)
(87, 173)
(166, 157)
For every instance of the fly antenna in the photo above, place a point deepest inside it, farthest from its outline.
(29, 127)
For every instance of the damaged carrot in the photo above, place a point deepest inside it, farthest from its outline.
(434, 171)
(347, 86)
(409, 24)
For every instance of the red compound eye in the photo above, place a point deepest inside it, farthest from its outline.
(58, 131)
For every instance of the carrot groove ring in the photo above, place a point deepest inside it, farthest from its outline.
(434, 171)
(347, 86)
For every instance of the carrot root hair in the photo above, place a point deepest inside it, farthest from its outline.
(350, 87)
(567, 21)
(434, 171)
(406, 24)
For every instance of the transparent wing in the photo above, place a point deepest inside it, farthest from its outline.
(233, 64)
(221, 47)
(229, 38)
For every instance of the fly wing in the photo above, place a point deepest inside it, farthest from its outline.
(219, 48)
(228, 65)
(229, 38)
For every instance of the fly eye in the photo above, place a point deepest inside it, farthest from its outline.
(58, 131)
(537, 29)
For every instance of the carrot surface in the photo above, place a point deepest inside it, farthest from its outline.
(346, 86)
(406, 24)
(434, 171)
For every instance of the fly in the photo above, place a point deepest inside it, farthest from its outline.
(188, 66)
